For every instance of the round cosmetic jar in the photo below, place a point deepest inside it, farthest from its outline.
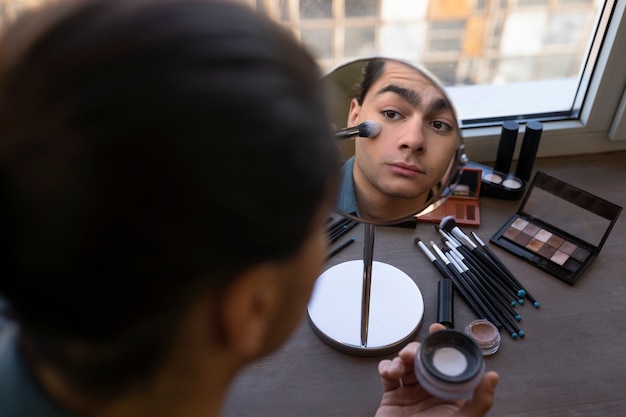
(449, 365)
(486, 336)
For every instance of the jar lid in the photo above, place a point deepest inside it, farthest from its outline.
(485, 334)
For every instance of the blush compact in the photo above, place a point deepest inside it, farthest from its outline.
(558, 228)
(463, 203)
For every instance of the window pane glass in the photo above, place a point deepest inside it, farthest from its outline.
(357, 8)
(441, 25)
(526, 3)
(316, 9)
(445, 45)
(566, 28)
(359, 41)
(319, 42)
(446, 71)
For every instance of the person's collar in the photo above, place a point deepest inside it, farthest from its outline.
(346, 200)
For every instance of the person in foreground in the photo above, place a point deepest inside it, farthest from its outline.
(147, 152)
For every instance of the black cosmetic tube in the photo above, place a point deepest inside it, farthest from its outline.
(445, 308)
(527, 154)
(506, 147)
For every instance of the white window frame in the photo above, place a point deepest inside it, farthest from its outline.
(601, 125)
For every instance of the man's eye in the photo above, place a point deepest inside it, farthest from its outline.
(391, 114)
(441, 126)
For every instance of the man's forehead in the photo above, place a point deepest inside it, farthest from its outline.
(405, 76)
(412, 86)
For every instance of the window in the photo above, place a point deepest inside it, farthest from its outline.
(555, 61)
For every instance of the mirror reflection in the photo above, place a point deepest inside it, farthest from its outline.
(411, 154)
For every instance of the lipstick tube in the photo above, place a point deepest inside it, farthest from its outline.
(445, 307)
(506, 147)
(528, 152)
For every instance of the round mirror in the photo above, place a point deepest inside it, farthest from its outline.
(402, 149)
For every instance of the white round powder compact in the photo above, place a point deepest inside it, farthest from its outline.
(449, 365)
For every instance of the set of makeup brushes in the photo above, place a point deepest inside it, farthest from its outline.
(335, 230)
(479, 276)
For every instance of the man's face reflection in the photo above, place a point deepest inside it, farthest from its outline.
(395, 171)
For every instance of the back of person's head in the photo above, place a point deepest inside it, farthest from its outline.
(148, 150)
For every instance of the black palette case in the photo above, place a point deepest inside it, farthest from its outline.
(558, 228)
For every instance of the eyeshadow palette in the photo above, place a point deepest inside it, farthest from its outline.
(558, 228)
(463, 202)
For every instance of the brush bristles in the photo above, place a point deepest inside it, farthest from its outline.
(369, 129)
(447, 223)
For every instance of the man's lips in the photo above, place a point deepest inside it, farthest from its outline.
(406, 170)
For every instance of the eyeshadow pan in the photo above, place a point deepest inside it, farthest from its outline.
(534, 245)
(568, 247)
(460, 211)
(547, 251)
(559, 257)
(511, 183)
(543, 235)
(494, 178)
(471, 212)
(511, 233)
(523, 239)
(572, 264)
(531, 229)
(580, 254)
(555, 241)
(519, 224)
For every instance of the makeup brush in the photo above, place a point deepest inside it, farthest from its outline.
(494, 308)
(504, 268)
(445, 303)
(339, 248)
(448, 224)
(339, 228)
(367, 129)
(471, 289)
(494, 282)
(451, 274)
(484, 286)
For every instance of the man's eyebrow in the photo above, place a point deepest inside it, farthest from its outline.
(413, 97)
(410, 96)
(439, 105)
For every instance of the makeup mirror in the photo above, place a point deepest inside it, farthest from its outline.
(410, 163)
(402, 153)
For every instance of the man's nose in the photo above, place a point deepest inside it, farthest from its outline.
(413, 136)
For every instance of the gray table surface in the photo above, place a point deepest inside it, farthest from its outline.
(572, 361)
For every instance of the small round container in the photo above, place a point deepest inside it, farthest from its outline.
(485, 334)
(449, 365)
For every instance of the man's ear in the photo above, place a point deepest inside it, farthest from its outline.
(248, 309)
(353, 114)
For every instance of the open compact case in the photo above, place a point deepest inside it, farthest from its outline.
(463, 203)
(497, 184)
(558, 227)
